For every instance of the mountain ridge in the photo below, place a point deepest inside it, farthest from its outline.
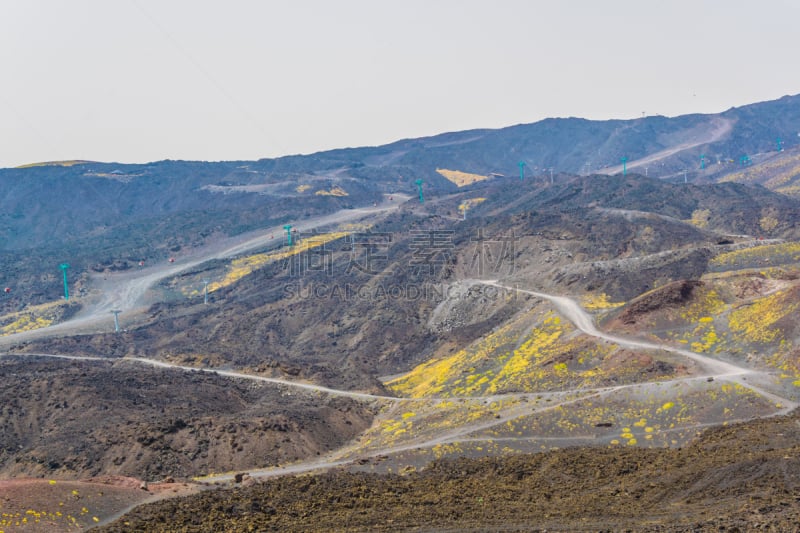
(514, 314)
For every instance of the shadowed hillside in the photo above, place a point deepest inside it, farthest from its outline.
(320, 311)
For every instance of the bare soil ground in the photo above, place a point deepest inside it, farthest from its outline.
(77, 419)
(65, 419)
(741, 477)
(42, 505)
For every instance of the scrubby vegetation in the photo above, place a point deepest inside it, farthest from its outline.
(694, 288)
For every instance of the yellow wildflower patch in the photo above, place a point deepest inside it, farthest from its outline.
(470, 203)
(334, 191)
(755, 322)
(599, 301)
(768, 253)
(32, 317)
(243, 266)
(461, 178)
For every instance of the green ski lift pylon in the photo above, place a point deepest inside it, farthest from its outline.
(745, 160)
(521, 170)
(779, 142)
(288, 228)
(702, 161)
(64, 267)
(624, 165)
(419, 186)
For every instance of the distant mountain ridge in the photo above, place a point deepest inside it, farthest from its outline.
(620, 294)
(571, 145)
(107, 212)
(576, 145)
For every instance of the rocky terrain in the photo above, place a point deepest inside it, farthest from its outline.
(563, 242)
(77, 419)
(737, 478)
(105, 217)
(605, 351)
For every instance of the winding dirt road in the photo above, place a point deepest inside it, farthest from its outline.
(570, 309)
(220, 372)
(127, 291)
(714, 367)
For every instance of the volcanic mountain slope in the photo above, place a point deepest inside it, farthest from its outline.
(342, 327)
(576, 145)
(74, 419)
(694, 288)
(778, 171)
(571, 237)
(108, 216)
(323, 316)
(103, 220)
(724, 208)
(740, 477)
(338, 316)
(746, 315)
(481, 369)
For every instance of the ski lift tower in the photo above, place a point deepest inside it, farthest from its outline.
(419, 186)
(205, 290)
(288, 228)
(64, 267)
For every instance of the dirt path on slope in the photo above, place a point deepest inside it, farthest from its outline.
(721, 127)
(715, 368)
(127, 291)
(226, 373)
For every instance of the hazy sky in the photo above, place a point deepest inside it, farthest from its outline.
(143, 80)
